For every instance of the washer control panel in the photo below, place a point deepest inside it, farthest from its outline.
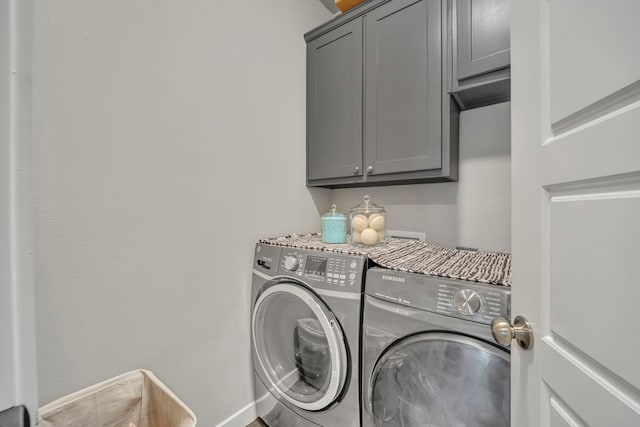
(326, 270)
(291, 263)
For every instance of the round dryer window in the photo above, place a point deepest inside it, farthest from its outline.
(299, 345)
(441, 379)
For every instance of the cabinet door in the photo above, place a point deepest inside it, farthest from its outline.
(483, 36)
(334, 103)
(403, 87)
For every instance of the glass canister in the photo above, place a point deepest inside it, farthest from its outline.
(368, 223)
(334, 226)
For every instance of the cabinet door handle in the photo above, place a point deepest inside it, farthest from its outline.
(369, 169)
(356, 169)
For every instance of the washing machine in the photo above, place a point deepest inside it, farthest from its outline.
(429, 358)
(305, 327)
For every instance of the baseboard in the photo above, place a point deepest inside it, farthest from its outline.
(241, 418)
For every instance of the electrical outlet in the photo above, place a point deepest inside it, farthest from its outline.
(412, 235)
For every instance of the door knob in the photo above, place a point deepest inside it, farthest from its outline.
(369, 169)
(521, 331)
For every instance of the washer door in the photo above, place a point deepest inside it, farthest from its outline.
(299, 345)
(441, 379)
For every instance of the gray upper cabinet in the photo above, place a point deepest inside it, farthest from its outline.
(403, 86)
(334, 103)
(480, 51)
(380, 115)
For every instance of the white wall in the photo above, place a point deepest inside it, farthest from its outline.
(169, 137)
(475, 211)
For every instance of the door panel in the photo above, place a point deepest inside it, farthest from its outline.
(607, 146)
(575, 207)
(594, 52)
(591, 260)
(561, 416)
(598, 398)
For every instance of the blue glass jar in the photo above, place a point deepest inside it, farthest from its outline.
(334, 226)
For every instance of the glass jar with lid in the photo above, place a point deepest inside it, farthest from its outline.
(368, 223)
(334, 226)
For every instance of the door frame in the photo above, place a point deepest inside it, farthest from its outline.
(18, 384)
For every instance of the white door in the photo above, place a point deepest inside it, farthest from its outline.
(576, 211)
(17, 347)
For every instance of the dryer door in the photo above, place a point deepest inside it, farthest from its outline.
(441, 379)
(299, 346)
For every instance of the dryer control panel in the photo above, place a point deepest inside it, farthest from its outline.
(473, 301)
(324, 270)
(476, 302)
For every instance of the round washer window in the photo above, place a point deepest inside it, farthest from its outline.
(299, 345)
(441, 379)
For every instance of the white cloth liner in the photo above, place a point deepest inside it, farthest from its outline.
(134, 399)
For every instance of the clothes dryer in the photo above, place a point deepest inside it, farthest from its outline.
(305, 327)
(429, 358)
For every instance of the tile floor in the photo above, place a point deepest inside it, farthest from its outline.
(257, 423)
